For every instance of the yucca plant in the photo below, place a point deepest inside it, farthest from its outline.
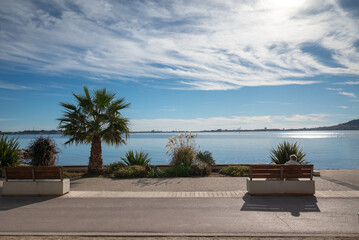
(280, 154)
(9, 152)
(42, 152)
(136, 158)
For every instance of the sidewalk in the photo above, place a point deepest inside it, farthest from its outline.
(182, 207)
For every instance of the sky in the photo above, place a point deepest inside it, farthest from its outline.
(183, 65)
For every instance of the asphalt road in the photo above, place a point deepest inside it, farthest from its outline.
(223, 216)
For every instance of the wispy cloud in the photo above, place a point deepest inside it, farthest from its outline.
(349, 94)
(351, 83)
(334, 89)
(12, 86)
(343, 107)
(211, 45)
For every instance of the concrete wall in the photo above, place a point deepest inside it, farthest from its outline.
(37, 188)
(268, 187)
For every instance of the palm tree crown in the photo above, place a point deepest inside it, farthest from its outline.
(95, 117)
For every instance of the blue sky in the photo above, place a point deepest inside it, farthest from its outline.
(183, 65)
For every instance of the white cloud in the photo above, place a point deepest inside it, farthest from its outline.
(351, 83)
(236, 122)
(211, 45)
(334, 89)
(11, 86)
(343, 107)
(349, 94)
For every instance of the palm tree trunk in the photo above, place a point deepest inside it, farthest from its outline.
(95, 163)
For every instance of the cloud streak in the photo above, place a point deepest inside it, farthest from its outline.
(181, 45)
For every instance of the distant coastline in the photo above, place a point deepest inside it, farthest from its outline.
(351, 125)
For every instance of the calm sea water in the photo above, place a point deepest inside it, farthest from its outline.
(325, 149)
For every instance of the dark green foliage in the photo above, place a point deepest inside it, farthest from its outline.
(156, 173)
(180, 171)
(184, 156)
(9, 152)
(136, 158)
(280, 154)
(113, 167)
(202, 169)
(235, 171)
(206, 157)
(133, 171)
(42, 152)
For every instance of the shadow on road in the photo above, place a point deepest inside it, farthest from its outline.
(8, 203)
(293, 204)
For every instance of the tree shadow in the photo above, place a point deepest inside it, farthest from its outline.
(293, 204)
(145, 182)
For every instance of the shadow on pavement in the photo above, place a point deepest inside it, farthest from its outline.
(293, 204)
(8, 203)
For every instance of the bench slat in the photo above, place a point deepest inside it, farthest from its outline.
(33, 173)
(281, 171)
(18, 172)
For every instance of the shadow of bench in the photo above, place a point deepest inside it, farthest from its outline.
(278, 179)
(35, 181)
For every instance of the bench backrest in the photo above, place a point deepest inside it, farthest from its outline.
(281, 171)
(33, 173)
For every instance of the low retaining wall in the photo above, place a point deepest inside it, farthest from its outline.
(36, 188)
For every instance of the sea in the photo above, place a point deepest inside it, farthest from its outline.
(324, 149)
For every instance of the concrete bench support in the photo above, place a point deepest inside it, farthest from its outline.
(36, 188)
(273, 186)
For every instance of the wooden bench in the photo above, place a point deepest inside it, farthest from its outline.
(267, 179)
(35, 181)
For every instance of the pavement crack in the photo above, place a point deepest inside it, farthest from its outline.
(278, 217)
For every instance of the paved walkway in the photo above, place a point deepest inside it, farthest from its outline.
(212, 206)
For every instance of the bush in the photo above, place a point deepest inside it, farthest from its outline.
(136, 158)
(206, 157)
(113, 167)
(156, 174)
(42, 152)
(9, 152)
(133, 171)
(235, 171)
(180, 171)
(182, 149)
(202, 169)
(280, 154)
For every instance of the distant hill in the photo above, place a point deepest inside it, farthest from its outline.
(351, 125)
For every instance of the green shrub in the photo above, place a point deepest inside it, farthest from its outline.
(184, 156)
(280, 154)
(133, 171)
(180, 171)
(206, 157)
(202, 169)
(9, 152)
(136, 158)
(156, 174)
(235, 171)
(42, 152)
(182, 149)
(113, 167)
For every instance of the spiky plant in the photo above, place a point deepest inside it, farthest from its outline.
(280, 154)
(96, 117)
(9, 152)
(42, 152)
(136, 158)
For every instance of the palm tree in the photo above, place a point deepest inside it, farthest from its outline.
(95, 118)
